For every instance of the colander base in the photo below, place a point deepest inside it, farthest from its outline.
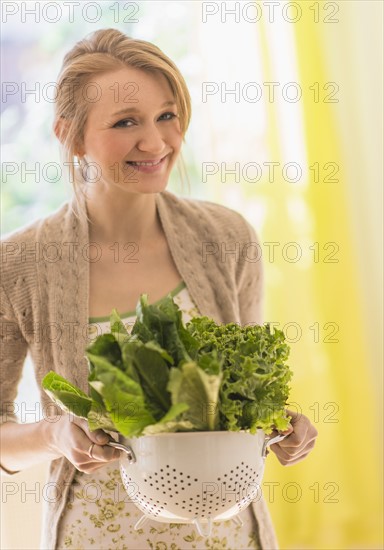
(203, 525)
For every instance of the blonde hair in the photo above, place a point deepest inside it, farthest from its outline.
(100, 52)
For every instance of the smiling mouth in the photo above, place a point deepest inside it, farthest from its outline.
(145, 162)
(154, 166)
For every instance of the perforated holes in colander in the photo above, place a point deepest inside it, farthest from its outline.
(167, 481)
(232, 491)
(148, 506)
(145, 503)
(248, 495)
(171, 483)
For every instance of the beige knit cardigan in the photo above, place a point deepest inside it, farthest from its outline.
(44, 302)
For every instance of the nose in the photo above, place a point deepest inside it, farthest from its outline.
(151, 140)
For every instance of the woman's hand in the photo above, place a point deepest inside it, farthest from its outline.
(299, 442)
(88, 451)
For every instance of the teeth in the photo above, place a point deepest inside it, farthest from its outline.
(145, 163)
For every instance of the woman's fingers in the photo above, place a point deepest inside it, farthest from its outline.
(97, 436)
(87, 450)
(291, 455)
(298, 443)
(91, 456)
(102, 453)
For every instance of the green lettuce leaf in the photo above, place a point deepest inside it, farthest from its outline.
(69, 398)
(200, 391)
(170, 422)
(123, 398)
(161, 323)
(153, 374)
(106, 346)
(118, 329)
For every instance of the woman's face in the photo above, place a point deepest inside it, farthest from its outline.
(132, 136)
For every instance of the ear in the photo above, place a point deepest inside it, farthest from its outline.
(60, 128)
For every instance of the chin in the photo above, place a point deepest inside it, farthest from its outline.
(151, 187)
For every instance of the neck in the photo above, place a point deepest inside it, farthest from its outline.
(128, 217)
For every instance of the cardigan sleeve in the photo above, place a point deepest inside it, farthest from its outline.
(251, 280)
(12, 356)
(13, 350)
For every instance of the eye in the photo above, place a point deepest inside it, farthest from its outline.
(128, 122)
(169, 116)
(123, 123)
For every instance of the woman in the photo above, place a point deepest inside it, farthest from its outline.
(123, 110)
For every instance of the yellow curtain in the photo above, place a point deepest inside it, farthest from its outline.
(333, 498)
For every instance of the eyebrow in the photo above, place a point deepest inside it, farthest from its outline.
(134, 110)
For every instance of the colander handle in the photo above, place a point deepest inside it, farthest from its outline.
(270, 441)
(126, 449)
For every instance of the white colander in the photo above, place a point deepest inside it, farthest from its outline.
(194, 477)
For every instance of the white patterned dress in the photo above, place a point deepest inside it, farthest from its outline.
(99, 514)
